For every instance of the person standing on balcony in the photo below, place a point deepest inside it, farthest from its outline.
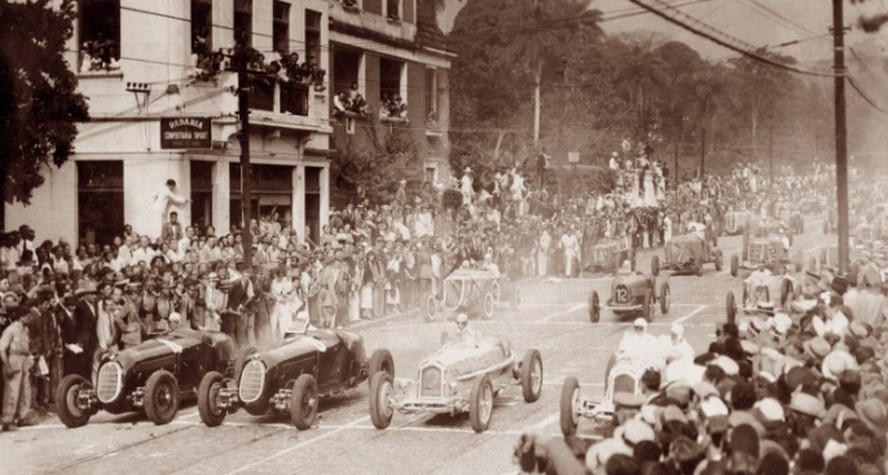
(165, 198)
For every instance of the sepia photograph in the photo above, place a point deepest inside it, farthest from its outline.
(494, 237)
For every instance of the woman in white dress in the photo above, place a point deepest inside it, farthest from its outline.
(281, 314)
(544, 242)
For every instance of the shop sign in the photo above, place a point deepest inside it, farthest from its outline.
(185, 132)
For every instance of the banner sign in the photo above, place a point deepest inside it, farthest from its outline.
(185, 132)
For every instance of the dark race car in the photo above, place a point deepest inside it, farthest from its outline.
(152, 377)
(632, 294)
(687, 254)
(291, 377)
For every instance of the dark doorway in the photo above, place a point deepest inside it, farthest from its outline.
(201, 194)
(99, 201)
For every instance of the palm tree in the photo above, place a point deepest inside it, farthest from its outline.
(711, 96)
(638, 79)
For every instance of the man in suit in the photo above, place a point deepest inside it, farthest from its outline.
(234, 318)
(83, 336)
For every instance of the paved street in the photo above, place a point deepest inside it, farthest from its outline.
(553, 319)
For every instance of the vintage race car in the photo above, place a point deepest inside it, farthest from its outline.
(623, 376)
(152, 377)
(737, 222)
(687, 254)
(632, 294)
(766, 227)
(811, 205)
(769, 252)
(762, 294)
(291, 377)
(608, 255)
(462, 376)
(474, 291)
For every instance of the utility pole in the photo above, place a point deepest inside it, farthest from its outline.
(838, 31)
(702, 151)
(771, 151)
(243, 113)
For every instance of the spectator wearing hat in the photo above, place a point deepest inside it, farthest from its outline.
(83, 344)
(15, 353)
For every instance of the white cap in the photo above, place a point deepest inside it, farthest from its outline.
(462, 318)
(640, 322)
(175, 317)
(677, 329)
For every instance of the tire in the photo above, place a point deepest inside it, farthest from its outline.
(516, 298)
(646, 307)
(488, 306)
(799, 263)
(495, 290)
(730, 307)
(785, 292)
(210, 414)
(655, 266)
(632, 262)
(531, 376)
(381, 360)
(430, 312)
(304, 402)
(719, 259)
(570, 398)
(381, 389)
(594, 307)
(735, 265)
(698, 269)
(481, 404)
(745, 249)
(66, 401)
(665, 298)
(161, 397)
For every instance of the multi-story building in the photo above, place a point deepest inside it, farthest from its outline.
(145, 68)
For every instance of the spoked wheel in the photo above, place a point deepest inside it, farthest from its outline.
(430, 312)
(665, 298)
(489, 306)
(481, 404)
(735, 265)
(207, 399)
(69, 410)
(304, 401)
(730, 307)
(495, 290)
(161, 397)
(516, 298)
(570, 406)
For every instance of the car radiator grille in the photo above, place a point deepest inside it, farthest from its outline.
(252, 381)
(109, 382)
(430, 382)
(624, 383)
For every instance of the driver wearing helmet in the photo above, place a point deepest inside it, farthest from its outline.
(463, 334)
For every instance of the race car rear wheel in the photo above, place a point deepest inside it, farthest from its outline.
(516, 298)
(646, 306)
(304, 402)
(570, 406)
(495, 290)
(665, 297)
(719, 260)
(481, 404)
(594, 307)
(381, 390)
(161, 397)
(210, 413)
(430, 311)
(381, 360)
(735, 265)
(66, 401)
(730, 307)
(532, 375)
(785, 292)
(489, 306)
(655, 266)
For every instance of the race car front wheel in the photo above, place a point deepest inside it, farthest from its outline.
(532, 375)
(304, 402)
(161, 397)
(210, 413)
(66, 401)
(381, 390)
(570, 406)
(481, 404)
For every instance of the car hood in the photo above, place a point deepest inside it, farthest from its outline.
(297, 346)
(159, 346)
(463, 359)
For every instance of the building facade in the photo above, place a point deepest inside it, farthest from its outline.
(150, 67)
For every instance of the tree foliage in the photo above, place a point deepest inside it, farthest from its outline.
(39, 102)
(598, 90)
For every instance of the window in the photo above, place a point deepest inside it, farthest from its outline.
(243, 22)
(99, 201)
(431, 174)
(390, 80)
(346, 69)
(393, 9)
(432, 94)
(201, 27)
(281, 27)
(99, 34)
(313, 38)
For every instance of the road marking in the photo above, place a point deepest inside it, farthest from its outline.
(350, 425)
(563, 312)
(688, 316)
(582, 385)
